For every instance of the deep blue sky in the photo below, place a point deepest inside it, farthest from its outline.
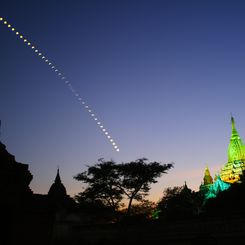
(163, 77)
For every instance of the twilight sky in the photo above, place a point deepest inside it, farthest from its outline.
(162, 76)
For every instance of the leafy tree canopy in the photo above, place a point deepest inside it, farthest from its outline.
(102, 184)
(111, 183)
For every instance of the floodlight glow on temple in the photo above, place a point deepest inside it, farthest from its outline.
(231, 172)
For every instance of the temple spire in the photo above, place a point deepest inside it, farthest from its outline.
(57, 189)
(234, 133)
(233, 123)
(57, 178)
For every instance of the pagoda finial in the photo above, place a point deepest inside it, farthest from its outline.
(234, 132)
(57, 178)
(232, 122)
(185, 184)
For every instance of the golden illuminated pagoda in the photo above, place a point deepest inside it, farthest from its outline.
(235, 166)
(207, 179)
(207, 182)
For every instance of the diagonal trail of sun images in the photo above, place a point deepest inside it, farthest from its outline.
(62, 78)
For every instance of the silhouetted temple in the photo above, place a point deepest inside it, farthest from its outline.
(57, 189)
(14, 179)
(27, 216)
(57, 195)
(231, 172)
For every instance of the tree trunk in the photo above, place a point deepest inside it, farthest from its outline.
(129, 205)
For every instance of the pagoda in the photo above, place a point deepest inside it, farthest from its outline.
(207, 181)
(232, 170)
(57, 195)
(235, 166)
(57, 190)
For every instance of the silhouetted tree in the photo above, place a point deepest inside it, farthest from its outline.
(110, 182)
(137, 176)
(179, 202)
(103, 184)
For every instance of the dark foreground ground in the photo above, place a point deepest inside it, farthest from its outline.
(182, 232)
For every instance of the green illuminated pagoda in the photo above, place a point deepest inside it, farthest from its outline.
(232, 170)
(235, 166)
